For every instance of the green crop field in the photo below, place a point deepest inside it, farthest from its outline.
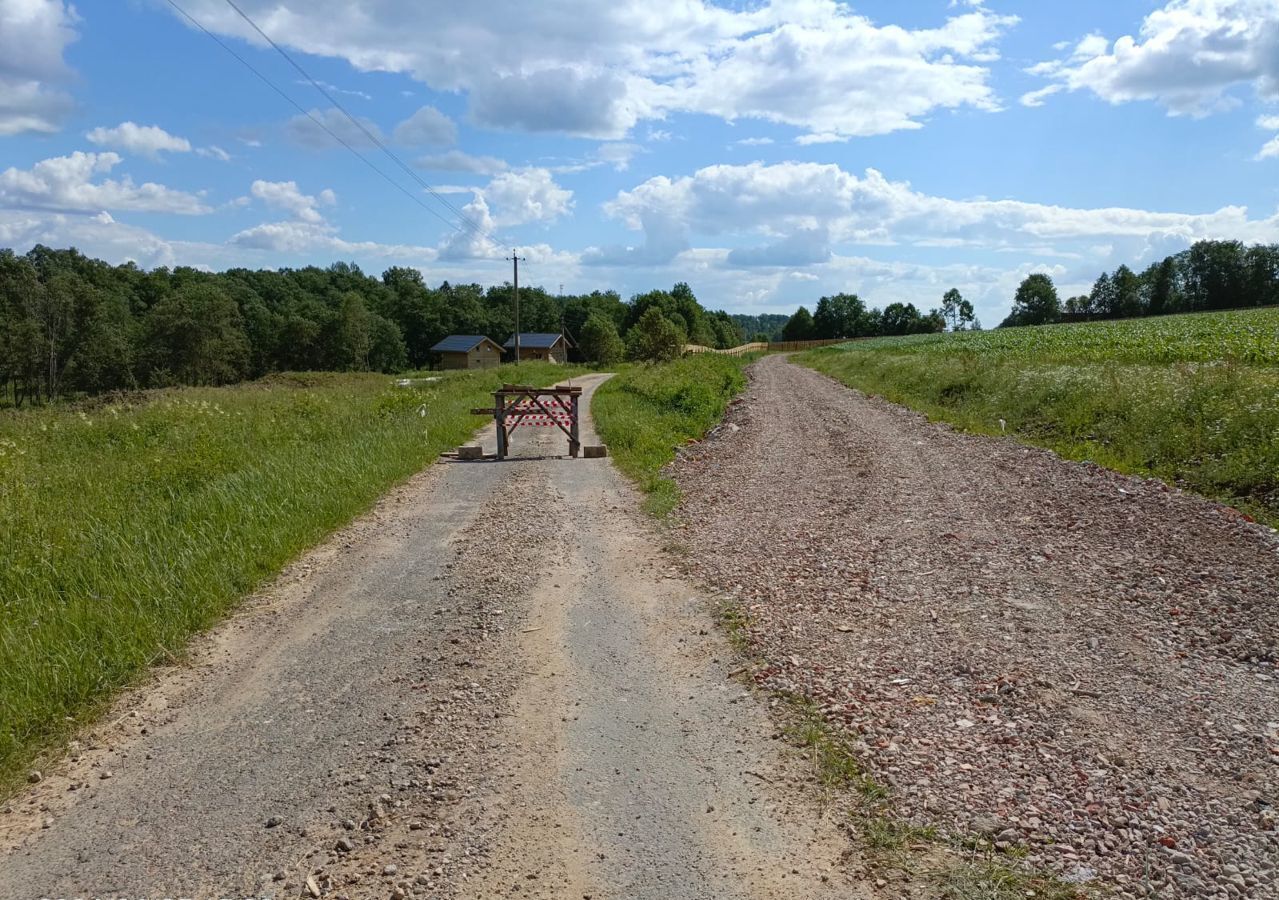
(1250, 337)
(1192, 399)
(127, 526)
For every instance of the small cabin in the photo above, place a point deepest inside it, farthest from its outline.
(547, 347)
(468, 351)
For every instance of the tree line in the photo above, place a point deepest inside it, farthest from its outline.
(847, 316)
(1210, 275)
(72, 325)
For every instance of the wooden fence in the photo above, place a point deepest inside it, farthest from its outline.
(757, 347)
(762, 347)
(788, 346)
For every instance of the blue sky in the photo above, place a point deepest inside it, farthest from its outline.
(767, 152)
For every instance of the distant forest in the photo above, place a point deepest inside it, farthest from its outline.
(764, 327)
(1210, 275)
(71, 325)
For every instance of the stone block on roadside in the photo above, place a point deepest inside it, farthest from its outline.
(594, 451)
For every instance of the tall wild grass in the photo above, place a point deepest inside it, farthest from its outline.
(646, 412)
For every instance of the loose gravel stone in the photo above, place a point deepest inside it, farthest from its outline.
(1042, 651)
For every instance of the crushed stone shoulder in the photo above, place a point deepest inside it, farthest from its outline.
(1074, 660)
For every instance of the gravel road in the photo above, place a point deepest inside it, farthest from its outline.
(1044, 652)
(493, 684)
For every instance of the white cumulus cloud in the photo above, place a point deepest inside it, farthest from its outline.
(33, 36)
(597, 69)
(67, 183)
(285, 195)
(800, 210)
(521, 196)
(1188, 56)
(146, 140)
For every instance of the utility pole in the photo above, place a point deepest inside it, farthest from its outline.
(517, 259)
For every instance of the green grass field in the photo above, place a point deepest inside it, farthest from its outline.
(1191, 399)
(126, 527)
(645, 412)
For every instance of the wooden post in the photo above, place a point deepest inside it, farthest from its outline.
(499, 407)
(573, 444)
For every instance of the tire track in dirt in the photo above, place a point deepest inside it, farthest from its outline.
(495, 684)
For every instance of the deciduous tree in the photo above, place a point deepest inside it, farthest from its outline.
(957, 311)
(799, 327)
(600, 342)
(654, 338)
(1036, 302)
(196, 336)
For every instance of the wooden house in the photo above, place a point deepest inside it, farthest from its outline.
(468, 351)
(546, 347)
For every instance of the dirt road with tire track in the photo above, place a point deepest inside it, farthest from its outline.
(494, 684)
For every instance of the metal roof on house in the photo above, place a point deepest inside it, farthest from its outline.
(534, 341)
(459, 343)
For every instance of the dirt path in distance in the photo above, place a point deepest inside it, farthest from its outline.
(1044, 652)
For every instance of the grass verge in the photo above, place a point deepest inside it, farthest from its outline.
(127, 527)
(1211, 427)
(646, 412)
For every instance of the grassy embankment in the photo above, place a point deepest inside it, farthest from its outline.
(127, 527)
(645, 412)
(1191, 399)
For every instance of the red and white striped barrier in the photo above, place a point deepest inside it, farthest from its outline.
(540, 419)
(553, 406)
(550, 412)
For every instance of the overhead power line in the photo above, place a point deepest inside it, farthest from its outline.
(320, 124)
(377, 142)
